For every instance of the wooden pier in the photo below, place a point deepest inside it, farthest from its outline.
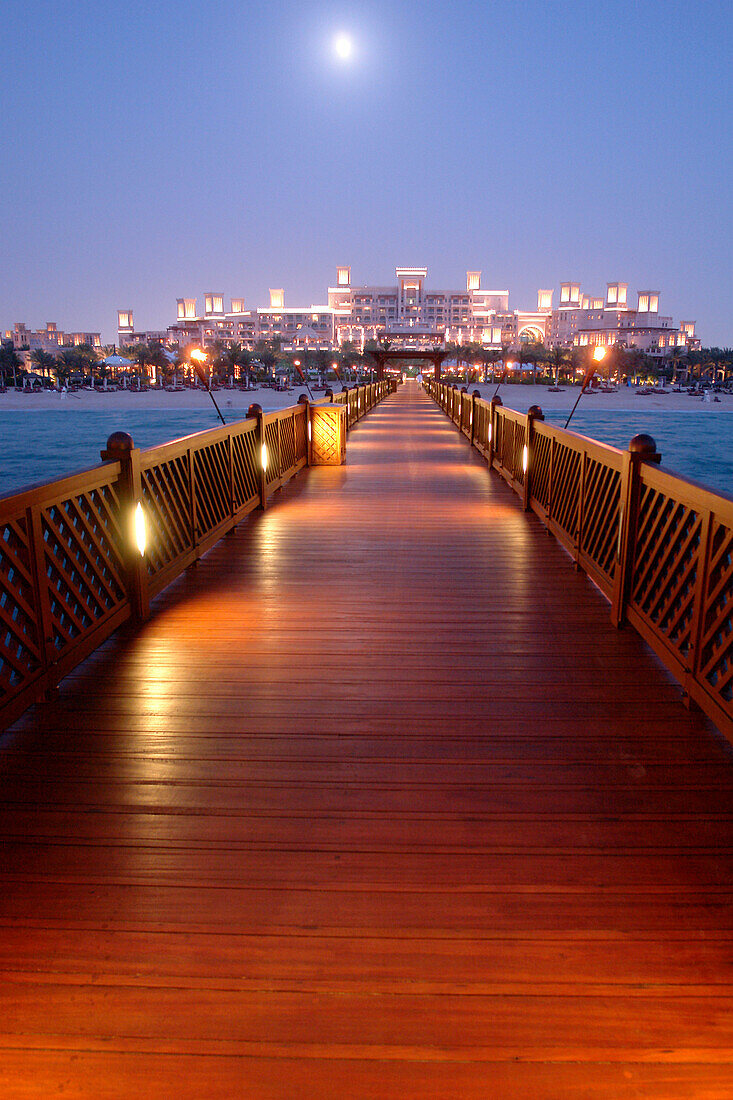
(378, 803)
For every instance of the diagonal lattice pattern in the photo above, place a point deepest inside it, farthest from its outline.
(716, 643)
(541, 459)
(167, 502)
(600, 527)
(665, 566)
(212, 488)
(245, 468)
(84, 562)
(287, 443)
(566, 464)
(301, 436)
(272, 439)
(20, 654)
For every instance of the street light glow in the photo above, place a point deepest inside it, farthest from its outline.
(599, 353)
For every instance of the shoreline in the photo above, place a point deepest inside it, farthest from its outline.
(514, 396)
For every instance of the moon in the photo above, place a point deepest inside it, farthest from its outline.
(343, 47)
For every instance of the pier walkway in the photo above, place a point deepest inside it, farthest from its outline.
(377, 804)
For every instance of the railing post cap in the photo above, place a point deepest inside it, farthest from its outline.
(643, 444)
(476, 393)
(329, 393)
(119, 446)
(535, 411)
(255, 409)
(496, 400)
(303, 399)
(344, 388)
(464, 389)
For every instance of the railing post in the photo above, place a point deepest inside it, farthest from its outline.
(255, 410)
(642, 448)
(533, 413)
(496, 401)
(304, 400)
(474, 397)
(120, 448)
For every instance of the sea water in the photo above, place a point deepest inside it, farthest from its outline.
(695, 442)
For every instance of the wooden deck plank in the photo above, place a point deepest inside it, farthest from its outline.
(377, 804)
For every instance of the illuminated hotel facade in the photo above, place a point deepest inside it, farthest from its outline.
(413, 314)
(51, 338)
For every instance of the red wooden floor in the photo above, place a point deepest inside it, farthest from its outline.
(378, 804)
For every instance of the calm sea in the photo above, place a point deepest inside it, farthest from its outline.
(38, 446)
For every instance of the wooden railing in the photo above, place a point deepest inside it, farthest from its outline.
(70, 572)
(660, 548)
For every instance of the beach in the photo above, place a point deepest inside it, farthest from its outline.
(519, 397)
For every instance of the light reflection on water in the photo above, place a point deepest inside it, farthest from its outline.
(696, 443)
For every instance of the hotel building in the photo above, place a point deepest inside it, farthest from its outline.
(50, 338)
(583, 319)
(416, 315)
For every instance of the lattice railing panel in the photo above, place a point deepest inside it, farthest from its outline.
(665, 566)
(499, 427)
(566, 465)
(167, 502)
(481, 427)
(84, 563)
(301, 438)
(20, 641)
(601, 511)
(273, 451)
(507, 445)
(518, 452)
(541, 460)
(211, 480)
(245, 468)
(287, 444)
(716, 641)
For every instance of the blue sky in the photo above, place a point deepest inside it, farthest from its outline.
(157, 150)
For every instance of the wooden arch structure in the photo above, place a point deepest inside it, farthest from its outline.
(382, 355)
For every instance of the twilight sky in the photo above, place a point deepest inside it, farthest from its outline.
(155, 150)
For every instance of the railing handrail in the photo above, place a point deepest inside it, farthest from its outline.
(657, 545)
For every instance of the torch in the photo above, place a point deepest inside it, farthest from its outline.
(599, 353)
(199, 358)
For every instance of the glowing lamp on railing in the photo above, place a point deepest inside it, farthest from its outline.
(525, 457)
(489, 434)
(140, 531)
(263, 457)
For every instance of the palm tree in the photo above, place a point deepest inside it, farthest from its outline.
(474, 356)
(559, 360)
(9, 361)
(679, 362)
(44, 361)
